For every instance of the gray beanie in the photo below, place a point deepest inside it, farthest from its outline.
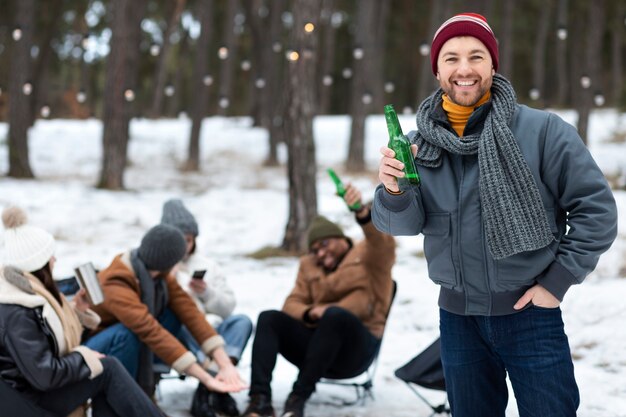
(177, 215)
(162, 247)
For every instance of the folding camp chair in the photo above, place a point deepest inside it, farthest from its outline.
(426, 371)
(363, 379)
(14, 403)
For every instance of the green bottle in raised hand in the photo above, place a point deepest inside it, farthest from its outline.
(341, 190)
(402, 147)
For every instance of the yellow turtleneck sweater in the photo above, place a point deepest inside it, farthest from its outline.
(459, 115)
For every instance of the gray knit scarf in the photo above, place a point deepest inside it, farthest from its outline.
(512, 208)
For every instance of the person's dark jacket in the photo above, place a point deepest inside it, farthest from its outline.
(30, 360)
(446, 209)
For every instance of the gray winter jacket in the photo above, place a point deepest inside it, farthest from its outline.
(446, 209)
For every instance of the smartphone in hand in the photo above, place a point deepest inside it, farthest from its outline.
(198, 274)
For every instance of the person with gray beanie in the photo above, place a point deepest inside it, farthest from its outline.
(143, 310)
(514, 211)
(205, 282)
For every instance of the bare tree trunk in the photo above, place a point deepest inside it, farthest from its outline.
(19, 105)
(361, 95)
(328, 57)
(561, 52)
(379, 44)
(121, 74)
(273, 105)
(200, 92)
(426, 80)
(52, 11)
(161, 69)
(506, 40)
(173, 105)
(617, 54)
(257, 26)
(301, 96)
(227, 67)
(593, 47)
(539, 52)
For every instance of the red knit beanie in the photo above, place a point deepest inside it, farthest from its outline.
(464, 24)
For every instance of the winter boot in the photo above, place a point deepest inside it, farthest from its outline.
(294, 406)
(200, 406)
(260, 406)
(223, 404)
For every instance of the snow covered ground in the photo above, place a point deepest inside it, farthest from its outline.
(242, 206)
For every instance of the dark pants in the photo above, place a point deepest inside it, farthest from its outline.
(114, 394)
(340, 346)
(478, 351)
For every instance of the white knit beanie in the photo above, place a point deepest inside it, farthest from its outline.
(25, 247)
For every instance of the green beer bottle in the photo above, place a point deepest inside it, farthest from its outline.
(402, 147)
(341, 190)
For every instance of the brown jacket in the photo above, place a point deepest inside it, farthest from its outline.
(122, 303)
(361, 283)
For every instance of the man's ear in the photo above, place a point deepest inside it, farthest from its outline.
(437, 75)
(493, 71)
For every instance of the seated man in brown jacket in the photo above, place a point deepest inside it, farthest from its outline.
(144, 308)
(333, 320)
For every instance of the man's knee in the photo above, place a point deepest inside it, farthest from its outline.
(269, 318)
(242, 323)
(337, 317)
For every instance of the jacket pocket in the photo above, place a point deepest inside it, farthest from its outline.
(438, 249)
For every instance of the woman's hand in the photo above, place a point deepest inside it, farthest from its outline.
(81, 301)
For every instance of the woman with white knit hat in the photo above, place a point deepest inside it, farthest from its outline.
(40, 332)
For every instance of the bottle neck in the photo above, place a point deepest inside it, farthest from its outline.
(393, 124)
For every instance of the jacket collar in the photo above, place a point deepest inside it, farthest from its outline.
(15, 288)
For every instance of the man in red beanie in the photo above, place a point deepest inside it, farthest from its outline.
(514, 211)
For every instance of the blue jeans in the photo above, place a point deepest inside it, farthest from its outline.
(478, 351)
(120, 342)
(235, 330)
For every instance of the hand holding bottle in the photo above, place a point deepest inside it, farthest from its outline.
(390, 168)
(353, 203)
(401, 148)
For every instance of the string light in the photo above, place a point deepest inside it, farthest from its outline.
(81, 96)
(327, 80)
(245, 65)
(169, 90)
(17, 34)
(358, 53)
(27, 88)
(534, 94)
(224, 102)
(45, 111)
(346, 73)
(424, 49)
(85, 42)
(407, 110)
(389, 87)
(293, 56)
(277, 47)
(129, 95)
(561, 33)
(207, 80)
(222, 53)
(155, 49)
(585, 81)
(598, 99)
(309, 27)
(366, 98)
(259, 83)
